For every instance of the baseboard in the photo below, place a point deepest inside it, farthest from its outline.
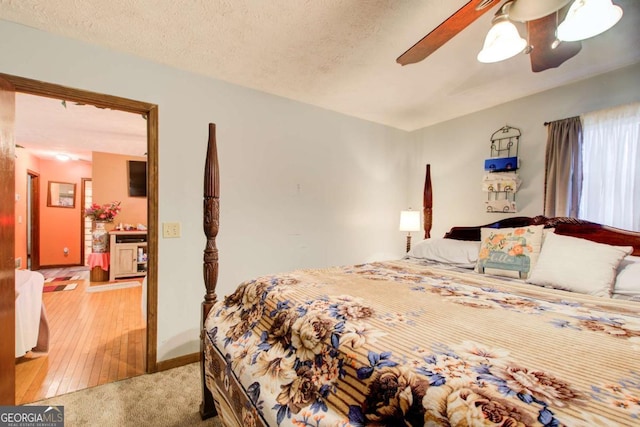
(178, 361)
(44, 267)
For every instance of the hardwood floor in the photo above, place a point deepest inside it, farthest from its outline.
(95, 338)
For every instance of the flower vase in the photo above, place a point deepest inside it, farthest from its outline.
(99, 238)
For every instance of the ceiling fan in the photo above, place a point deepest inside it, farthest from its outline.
(554, 30)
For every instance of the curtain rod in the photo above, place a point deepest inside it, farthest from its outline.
(548, 123)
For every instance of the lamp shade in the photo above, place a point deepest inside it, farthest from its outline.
(502, 42)
(409, 221)
(588, 18)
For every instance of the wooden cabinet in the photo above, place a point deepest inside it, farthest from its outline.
(128, 253)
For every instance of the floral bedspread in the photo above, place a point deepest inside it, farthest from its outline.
(402, 344)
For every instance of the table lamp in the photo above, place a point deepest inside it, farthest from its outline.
(409, 221)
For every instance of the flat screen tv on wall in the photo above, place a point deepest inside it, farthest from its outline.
(137, 178)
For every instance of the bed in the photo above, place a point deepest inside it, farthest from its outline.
(522, 322)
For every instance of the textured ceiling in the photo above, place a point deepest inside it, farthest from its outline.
(47, 126)
(335, 54)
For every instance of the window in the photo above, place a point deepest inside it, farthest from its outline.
(611, 167)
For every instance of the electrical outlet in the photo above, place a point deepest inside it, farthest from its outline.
(170, 230)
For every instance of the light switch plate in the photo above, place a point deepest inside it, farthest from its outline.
(170, 230)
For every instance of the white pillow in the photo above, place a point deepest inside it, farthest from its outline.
(462, 253)
(628, 278)
(578, 265)
(626, 297)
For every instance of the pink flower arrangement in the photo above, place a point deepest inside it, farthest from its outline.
(106, 212)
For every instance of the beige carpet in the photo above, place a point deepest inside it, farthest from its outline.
(169, 398)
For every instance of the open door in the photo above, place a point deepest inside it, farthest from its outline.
(7, 234)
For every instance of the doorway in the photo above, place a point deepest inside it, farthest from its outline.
(150, 112)
(33, 220)
(86, 197)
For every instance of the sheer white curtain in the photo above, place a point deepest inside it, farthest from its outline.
(611, 167)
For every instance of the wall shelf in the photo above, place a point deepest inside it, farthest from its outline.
(505, 141)
(501, 181)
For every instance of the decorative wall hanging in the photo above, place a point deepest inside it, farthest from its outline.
(501, 180)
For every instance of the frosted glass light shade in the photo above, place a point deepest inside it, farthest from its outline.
(588, 18)
(502, 42)
(409, 221)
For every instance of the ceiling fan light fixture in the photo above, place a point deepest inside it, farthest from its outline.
(502, 42)
(588, 18)
(529, 10)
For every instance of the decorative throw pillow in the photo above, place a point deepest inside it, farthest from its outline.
(578, 265)
(509, 252)
(462, 253)
(628, 277)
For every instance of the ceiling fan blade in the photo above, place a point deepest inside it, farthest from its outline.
(542, 34)
(444, 32)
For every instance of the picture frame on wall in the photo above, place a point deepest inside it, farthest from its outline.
(61, 194)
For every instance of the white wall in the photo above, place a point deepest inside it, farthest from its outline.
(456, 149)
(300, 186)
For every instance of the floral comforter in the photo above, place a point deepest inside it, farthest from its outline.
(402, 344)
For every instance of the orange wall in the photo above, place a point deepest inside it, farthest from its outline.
(24, 161)
(111, 183)
(60, 227)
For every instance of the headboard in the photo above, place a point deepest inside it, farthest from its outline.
(563, 225)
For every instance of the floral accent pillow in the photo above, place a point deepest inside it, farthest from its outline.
(510, 252)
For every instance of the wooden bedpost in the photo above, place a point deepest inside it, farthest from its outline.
(211, 218)
(427, 203)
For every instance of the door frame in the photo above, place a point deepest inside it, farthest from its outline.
(150, 111)
(82, 218)
(34, 220)
(7, 234)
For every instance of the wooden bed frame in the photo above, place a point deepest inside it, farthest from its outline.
(211, 216)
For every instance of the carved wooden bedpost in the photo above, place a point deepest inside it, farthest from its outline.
(427, 203)
(211, 218)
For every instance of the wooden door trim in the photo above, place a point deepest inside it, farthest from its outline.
(7, 236)
(34, 220)
(150, 111)
(83, 182)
